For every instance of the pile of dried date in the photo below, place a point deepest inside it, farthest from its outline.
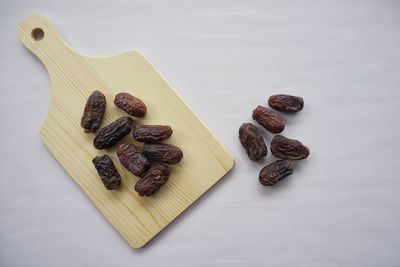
(148, 163)
(281, 147)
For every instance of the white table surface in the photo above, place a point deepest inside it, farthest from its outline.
(341, 207)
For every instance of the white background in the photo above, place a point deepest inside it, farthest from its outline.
(341, 207)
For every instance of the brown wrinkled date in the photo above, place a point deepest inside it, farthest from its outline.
(146, 163)
(108, 173)
(130, 104)
(164, 153)
(151, 133)
(281, 147)
(285, 148)
(252, 141)
(112, 133)
(276, 171)
(286, 103)
(156, 177)
(133, 160)
(268, 119)
(94, 112)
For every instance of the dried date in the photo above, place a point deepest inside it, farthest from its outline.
(133, 160)
(276, 171)
(156, 177)
(164, 153)
(108, 173)
(252, 141)
(285, 148)
(130, 104)
(112, 133)
(94, 112)
(151, 133)
(268, 119)
(286, 103)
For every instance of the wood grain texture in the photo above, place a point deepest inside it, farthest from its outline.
(73, 78)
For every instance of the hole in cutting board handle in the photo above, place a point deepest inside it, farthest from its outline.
(37, 34)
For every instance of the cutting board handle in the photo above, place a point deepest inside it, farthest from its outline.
(39, 35)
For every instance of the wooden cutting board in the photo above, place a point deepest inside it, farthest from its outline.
(73, 78)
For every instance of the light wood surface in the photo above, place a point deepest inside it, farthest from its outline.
(73, 77)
